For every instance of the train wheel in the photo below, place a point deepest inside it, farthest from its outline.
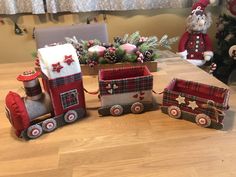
(49, 125)
(174, 112)
(203, 120)
(137, 108)
(34, 131)
(116, 110)
(71, 116)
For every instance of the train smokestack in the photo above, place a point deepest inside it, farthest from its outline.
(31, 84)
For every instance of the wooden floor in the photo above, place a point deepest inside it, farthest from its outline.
(145, 145)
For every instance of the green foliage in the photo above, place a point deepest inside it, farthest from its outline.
(133, 38)
(165, 42)
(101, 60)
(155, 56)
(130, 58)
(34, 55)
(146, 48)
(120, 54)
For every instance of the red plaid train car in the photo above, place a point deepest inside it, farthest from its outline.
(62, 102)
(124, 90)
(196, 102)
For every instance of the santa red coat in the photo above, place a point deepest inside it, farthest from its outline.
(195, 45)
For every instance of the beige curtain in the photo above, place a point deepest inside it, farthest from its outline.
(21, 6)
(54, 6)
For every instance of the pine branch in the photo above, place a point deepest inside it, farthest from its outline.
(134, 38)
(125, 38)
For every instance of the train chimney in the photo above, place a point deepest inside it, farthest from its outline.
(31, 84)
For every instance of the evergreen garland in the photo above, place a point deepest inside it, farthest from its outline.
(145, 49)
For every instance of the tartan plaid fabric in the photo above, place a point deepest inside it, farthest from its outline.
(126, 85)
(69, 98)
(208, 92)
(193, 91)
(123, 80)
(169, 99)
(53, 83)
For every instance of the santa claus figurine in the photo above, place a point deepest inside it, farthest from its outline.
(195, 45)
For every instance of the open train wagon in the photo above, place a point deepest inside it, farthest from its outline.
(196, 102)
(124, 90)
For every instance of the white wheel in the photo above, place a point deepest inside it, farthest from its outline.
(203, 120)
(116, 110)
(49, 125)
(71, 116)
(34, 131)
(137, 108)
(174, 112)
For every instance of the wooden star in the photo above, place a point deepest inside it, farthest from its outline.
(68, 59)
(180, 99)
(192, 104)
(57, 67)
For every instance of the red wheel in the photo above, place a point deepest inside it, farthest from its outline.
(49, 125)
(71, 116)
(116, 110)
(174, 112)
(137, 108)
(203, 120)
(34, 131)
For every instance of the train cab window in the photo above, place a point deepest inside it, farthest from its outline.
(69, 99)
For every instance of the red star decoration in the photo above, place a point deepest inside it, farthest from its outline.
(57, 67)
(68, 59)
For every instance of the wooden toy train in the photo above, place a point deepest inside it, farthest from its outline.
(122, 90)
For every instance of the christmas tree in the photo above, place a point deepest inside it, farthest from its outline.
(225, 54)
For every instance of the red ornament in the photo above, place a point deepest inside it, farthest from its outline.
(57, 67)
(68, 59)
(232, 6)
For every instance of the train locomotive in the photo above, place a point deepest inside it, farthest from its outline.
(62, 102)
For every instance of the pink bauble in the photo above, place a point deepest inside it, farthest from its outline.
(97, 49)
(128, 48)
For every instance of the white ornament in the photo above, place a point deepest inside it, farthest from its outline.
(180, 99)
(193, 105)
(232, 52)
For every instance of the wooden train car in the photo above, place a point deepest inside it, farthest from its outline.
(196, 102)
(124, 90)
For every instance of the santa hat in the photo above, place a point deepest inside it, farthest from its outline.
(201, 5)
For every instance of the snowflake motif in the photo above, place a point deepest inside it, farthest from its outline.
(68, 59)
(57, 67)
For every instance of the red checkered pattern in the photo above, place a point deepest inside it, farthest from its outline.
(194, 91)
(53, 83)
(123, 80)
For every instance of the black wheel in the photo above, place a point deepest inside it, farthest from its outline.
(203, 120)
(49, 125)
(116, 110)
(34, 131)
(137, 108)
(70, 116)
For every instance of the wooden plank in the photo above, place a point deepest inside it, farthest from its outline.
(144, 145)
